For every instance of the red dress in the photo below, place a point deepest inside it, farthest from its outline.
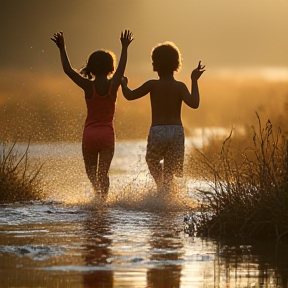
(98, 132)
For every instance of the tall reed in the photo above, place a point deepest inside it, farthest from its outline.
(248, 195)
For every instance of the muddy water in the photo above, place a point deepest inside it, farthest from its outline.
(136, 239)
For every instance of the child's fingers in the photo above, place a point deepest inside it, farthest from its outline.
(126, 34)
(54, 40)
(200, 67)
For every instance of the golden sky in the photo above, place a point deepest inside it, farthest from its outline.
(222, 33)
(236, 40)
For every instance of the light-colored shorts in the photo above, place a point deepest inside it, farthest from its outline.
(166, 142)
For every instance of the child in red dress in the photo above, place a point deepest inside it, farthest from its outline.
(100, 87)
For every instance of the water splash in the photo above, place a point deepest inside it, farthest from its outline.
(140, 194)
(132, 187)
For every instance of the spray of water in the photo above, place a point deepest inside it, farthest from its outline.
(132, 188)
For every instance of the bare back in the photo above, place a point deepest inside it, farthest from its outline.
(166, 97)
(166, 101)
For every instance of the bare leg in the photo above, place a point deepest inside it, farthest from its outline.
(90, 161)
(105, 158)
(168, 174)
(156, 171)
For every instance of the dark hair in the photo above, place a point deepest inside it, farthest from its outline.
(166, 57)
(99, 62)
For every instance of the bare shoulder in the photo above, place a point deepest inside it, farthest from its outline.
(151, 82)
(149, 85)
(88, 84)
(180, 84)
(88, 90)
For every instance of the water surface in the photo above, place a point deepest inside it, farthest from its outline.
(136, 239)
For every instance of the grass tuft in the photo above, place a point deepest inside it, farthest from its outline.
(248, 194)
(19, 180)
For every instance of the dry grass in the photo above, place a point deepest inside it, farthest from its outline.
(19, 181)
(248, 195)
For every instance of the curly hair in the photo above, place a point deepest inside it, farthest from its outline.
(99, 62)
(166, 57)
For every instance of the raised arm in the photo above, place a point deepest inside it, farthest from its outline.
(139, 92)
(58, 39)
(126, 38)
(193, 99)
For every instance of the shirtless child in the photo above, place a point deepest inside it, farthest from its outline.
(166, 136)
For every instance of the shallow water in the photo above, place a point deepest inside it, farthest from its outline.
(136, 239)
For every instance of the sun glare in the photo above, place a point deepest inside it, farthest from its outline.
(251, 73)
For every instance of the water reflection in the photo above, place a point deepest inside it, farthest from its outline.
(53, 245)
(166, 251)
(260, 265)
(97, 251)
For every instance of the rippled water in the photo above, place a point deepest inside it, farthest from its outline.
(136, 239)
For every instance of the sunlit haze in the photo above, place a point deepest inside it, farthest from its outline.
(78, 211)
(243, 44)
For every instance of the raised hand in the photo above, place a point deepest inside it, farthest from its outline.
(124, 81)
(58, 39)
(196, 73)
(126, 38)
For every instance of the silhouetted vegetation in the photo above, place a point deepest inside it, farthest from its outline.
(248, 195)
(19, 181)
